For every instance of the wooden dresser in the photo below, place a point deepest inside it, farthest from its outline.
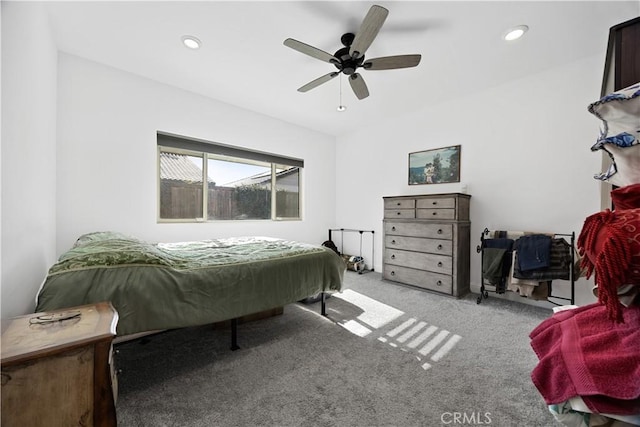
(57, 368)
(427, 242)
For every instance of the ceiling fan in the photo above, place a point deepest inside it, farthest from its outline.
(351, 57)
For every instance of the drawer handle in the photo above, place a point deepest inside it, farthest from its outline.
(440, 231)
(398, 213)
(399, 204)
(393, 273)
(393, 228)
(439, 247)
(435, 213)
(439, 283)
(435, 203)
(440, 264)
(393, 257)
(393, 242)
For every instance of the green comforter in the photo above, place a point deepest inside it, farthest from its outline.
(172, 285)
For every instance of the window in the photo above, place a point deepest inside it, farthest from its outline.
(240, 184)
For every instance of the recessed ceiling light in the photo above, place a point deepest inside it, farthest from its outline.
(515, 32)
(191, 42)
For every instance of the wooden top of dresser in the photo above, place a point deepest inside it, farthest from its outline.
(33, 335)
(417, 196)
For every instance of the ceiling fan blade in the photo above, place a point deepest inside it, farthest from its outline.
(311, 51)
(368, 30)
(318, 82)
(358, 85)
(392, 62)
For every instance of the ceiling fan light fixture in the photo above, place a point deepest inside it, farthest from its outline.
(191, 42)
(515, 33)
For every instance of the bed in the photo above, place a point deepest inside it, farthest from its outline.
(158, 286)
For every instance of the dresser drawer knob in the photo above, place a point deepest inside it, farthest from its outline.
(440, 231)
(440, 264)
(393, 257)
(393, 242)
(399, 204)
(393, 228)
(393, 273)
(434, 213)
(398, 213)
(435, 203)
(439, 247)
(439, 283)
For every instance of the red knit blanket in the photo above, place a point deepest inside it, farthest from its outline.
(610, 244)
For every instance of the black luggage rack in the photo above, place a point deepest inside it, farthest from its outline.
(484, 292)
(351, 230)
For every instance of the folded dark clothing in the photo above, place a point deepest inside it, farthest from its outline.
(533, 251)
(496, 261)
(500, 243)
(492, 259)
(559, 264)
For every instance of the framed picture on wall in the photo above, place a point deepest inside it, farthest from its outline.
(437, 166)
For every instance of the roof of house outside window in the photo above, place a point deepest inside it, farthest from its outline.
(262, 179)
(178, 167)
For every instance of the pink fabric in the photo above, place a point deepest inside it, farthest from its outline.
(582, 353)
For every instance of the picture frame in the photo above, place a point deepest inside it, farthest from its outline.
(436, 166)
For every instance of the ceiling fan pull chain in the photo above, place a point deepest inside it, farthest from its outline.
(341, 107)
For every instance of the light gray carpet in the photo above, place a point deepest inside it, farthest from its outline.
(422, 360)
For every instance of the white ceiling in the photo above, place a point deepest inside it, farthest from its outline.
(243, 60)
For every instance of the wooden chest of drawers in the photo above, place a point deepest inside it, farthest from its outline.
(58, 368)
(427, 242)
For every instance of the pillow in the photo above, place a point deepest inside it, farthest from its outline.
(620, 136)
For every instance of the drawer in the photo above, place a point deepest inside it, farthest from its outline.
(413, 229)
(399, 213)
(417, 244)
(399, 203)
(436, 203)
(436, 213)
(422, 279)
(422, 261)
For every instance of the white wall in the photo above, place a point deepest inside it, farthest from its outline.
(28, 154)
(107, 161)
(525, 158)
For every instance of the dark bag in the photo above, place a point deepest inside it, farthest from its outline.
(329, 244)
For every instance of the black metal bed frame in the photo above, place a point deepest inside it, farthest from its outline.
(234, 323)
(323, 307)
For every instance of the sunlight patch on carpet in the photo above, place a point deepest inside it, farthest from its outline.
(374, 313)
(411, 335)
(356, 328)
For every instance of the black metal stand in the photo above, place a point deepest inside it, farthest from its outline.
(484, 293)
(342, 230)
